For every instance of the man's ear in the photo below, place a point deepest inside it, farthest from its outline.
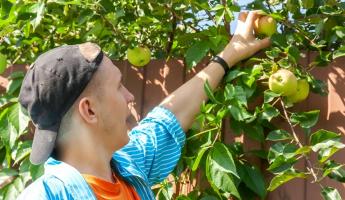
(87, 110)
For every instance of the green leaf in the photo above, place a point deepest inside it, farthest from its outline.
(14, 189)
(6, 100)
(219, 16)
(322, 135)
(23, 151)
(340, 52)
(340, 32)
(39, 7)
(36, 171)
(329, 193)
(269, 112)
(235, 92)
(253, 179)
(13, 86)
(293, 53)
(218, 7)
(198, 158)
(286, 150)
(196, 52)
(281, 164)
(16, 75)
(252, 74)
(306, 119)
(318, 86)
(209, 92)
(18, 118)
(222, 159)
(327, 149)
(6, 173)
(219, 178)
(269, 96)
(334, 171)
(3, 63)
(183, 197)
(278, 135)
(254, 131)
(303, 150)
(259, 153)
(238, 112)
(283, 178)
(273, 53)
(279, 40)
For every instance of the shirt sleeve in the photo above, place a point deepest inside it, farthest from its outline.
(155, 145)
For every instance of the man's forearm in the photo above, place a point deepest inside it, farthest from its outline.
(186, 100)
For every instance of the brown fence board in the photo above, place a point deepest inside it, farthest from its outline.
(160, 81)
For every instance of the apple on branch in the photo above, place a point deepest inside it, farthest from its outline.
(139, 56)
(283, 82)
(301, 93)
(265, 25)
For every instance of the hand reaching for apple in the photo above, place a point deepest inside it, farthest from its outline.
(244, 44)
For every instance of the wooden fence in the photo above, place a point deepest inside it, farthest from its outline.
(151, 84)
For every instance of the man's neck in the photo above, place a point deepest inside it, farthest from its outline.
(89, 158)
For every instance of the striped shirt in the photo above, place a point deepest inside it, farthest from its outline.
(152, 153)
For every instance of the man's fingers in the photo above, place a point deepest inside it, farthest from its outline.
(249, 23)
(261, 44)
(241, 21)
(242, 16)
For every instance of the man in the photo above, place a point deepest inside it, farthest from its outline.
(76, 100)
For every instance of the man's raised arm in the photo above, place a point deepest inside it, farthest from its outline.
(186, 100)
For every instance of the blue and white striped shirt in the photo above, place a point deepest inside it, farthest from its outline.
(151, 154)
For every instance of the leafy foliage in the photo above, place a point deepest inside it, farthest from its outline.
(193, 30)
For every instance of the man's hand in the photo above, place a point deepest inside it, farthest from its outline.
(243, 44)
(185, 101)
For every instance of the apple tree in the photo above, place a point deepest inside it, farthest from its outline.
(193, 30)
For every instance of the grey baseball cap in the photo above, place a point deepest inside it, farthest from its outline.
(51, 86)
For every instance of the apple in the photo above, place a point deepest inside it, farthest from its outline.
(283, 82)
(139, 56)
(265, 25)
(302, 92)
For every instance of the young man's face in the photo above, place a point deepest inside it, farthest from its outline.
(114, 106)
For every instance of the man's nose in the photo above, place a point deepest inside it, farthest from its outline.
(129, 96)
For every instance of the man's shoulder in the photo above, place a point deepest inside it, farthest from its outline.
(45, 187)
(59, 181)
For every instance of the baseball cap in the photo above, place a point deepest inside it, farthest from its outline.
(51, 86)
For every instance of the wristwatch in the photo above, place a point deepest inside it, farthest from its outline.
(222, 62)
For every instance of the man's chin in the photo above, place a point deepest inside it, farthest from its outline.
(131, 123)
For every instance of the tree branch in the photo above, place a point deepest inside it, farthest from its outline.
(172, 33)
(310, 166)
(226, 24)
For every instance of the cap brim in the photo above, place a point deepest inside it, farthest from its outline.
(43, 145)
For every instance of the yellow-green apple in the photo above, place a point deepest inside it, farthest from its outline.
(139, 56)
(283, 82)
(265, 25)
(302, 92)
